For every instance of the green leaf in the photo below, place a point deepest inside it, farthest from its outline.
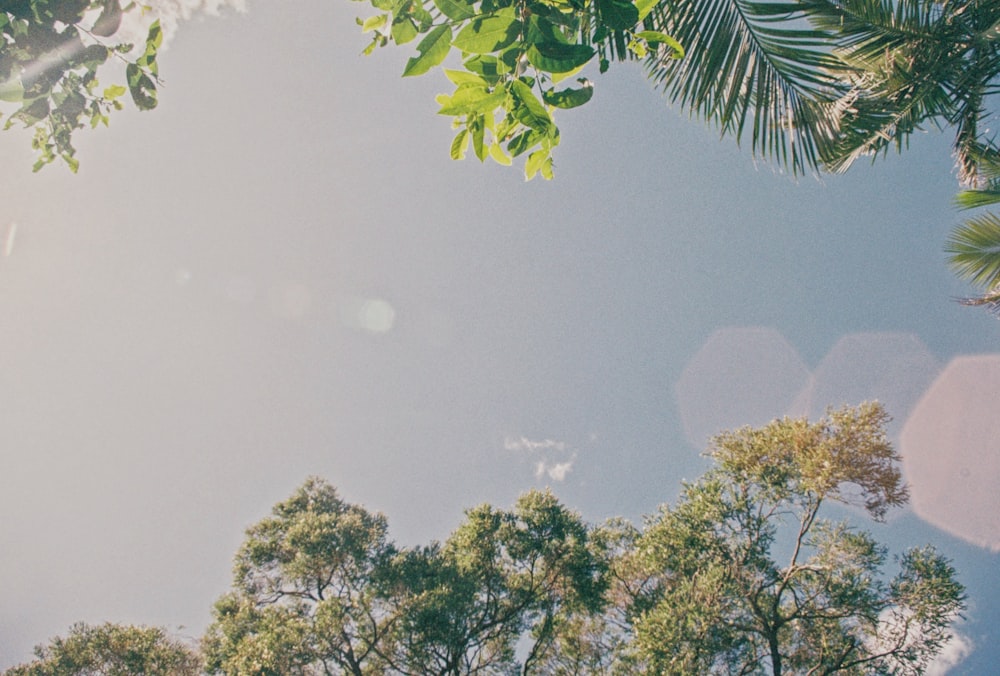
(472, 99)
(478, 135)
(433, 49)
(535, 162)
(656, 37)
(374, 22)
(489, 67)
(114, 91)
(12, 90)
(618, 14)
(403, 30)
(556, 58)
(530, 112)
(460, 77)
(459, 145)
(499, 156)
(525, 141)
(141, 86)
(645, 7)
(487, 34)
(456, 10)
(570, 98)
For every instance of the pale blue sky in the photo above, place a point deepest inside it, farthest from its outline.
(190, 322)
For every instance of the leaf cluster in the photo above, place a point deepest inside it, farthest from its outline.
(50, 54)
(515, 56)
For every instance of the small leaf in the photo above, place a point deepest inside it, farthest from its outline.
(433, 50)
(472, 99)
(656, 37)
(460, 77)
(142, 88)
(499, 156)
(531, 112)
(534, 163)
(556, 58)
(570, 98)
(645, 7)
(373, 23)
(459, 145)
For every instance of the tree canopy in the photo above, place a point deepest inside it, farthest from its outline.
(743, 574)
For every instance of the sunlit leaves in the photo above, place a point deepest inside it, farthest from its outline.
(513, 54)
(65, 94)
(433, 49)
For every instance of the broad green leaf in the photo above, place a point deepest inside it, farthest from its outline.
(489, 67)
(403, 30)
(141, 86)
(114, 91)
(487, 34)
(530, 112)
(478, 134)
(499, 156)
(645, 7)
(459, 145)
(471, 100)
(433, 50)
(460, 77)
(559, 77)
(11, 90)
(570, 98)
(374, 22)
(618, 14)
(656, 37)
(534, 163)
(524, 141)
(556, 58)
(455, 9)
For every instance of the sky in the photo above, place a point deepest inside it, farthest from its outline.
(280, 272)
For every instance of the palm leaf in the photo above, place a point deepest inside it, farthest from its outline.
(975, 251)
(754, 67)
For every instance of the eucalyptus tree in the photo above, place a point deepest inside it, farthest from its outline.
(749, 578)
(308, 594)
(112, 650)
(500, 593)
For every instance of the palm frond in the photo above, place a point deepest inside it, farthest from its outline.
(755, 67)
(975, 251)
(908, 54)
(991, 301)
(973, 199)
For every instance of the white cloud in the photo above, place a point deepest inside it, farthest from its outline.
(531, 446)
(556, 458)
(953, 653)
(170, 13)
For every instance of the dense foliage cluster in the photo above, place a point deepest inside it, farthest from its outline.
(50, 53)
(741, 575)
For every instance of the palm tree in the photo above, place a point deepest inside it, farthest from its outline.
(818, 84)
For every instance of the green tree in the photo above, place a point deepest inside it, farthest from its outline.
(112, 650)
(750, 579)
(50, 54)
(308, 592)
(503, 580)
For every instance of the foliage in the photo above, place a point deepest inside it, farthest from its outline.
(722, 603)
(50, 53)
(307, 591)
(514, 56)
(112, 650)
(502, 578)
(742, 575)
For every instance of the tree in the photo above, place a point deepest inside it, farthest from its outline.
(503, 580)
(722, 602)
(308, 591)
(50, 53)
(112, 650)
